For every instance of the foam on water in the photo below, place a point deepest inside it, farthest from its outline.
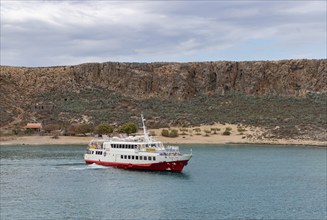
(96, 166)
(92, 166)
(70, 164)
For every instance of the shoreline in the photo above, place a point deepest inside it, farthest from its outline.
(204, 134)
(232, 140)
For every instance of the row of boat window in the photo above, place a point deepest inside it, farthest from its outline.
(92, 152)
(137, 157)
(125, 146)
(126, 156)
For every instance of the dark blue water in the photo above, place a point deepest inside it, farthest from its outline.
(220, 182)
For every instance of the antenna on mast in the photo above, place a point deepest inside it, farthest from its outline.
(146, 136)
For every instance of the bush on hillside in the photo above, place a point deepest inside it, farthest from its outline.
(103, 128)
(51, 127)
(197, 130)
(165, 133)
(207, 132)
(128, 128)
(83, 129)
(227, 131)
(169, 133)
(173, 133)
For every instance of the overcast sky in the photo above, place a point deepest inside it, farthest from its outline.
(52, 33)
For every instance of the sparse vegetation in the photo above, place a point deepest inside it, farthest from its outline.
(207, 133)
(70, 130)
(214, 130)
(17, 131)
(184, 131)
(307, 113)
(197, 130)
(80, 94)
(240, 129)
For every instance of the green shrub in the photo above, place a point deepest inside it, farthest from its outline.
(83, 129)
(226, 132)
(165, 133)
(128, 128)
(171, 133)
(103, 128)
(215, 130)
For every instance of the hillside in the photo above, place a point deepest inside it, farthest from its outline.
(290, 94)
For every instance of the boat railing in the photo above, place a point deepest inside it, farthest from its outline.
(172, 149)
(96, 143)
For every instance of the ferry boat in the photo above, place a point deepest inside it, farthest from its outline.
(137, 152)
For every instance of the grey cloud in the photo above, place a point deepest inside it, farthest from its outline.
(73, 32)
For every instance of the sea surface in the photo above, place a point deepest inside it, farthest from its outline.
(220, 182)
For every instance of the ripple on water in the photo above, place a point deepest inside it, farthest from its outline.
(221, 182)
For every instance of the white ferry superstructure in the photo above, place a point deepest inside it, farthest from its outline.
(138, 152)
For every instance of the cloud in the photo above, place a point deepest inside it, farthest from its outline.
(43, 33)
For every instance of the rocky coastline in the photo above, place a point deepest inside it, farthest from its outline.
(287, 97)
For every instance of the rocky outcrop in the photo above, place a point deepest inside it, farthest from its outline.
(22, 88)
(174, 80)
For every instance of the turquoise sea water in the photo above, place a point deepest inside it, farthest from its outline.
(220, 182)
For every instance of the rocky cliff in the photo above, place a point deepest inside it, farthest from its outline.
(104, 91)
(175, 80)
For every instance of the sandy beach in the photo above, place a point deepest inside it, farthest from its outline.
(248, 135)
(43, 140)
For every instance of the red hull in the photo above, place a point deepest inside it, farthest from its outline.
(162, 166)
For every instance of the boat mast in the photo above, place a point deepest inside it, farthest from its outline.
(146, 136)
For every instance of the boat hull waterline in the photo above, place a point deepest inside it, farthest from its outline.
(161, 166)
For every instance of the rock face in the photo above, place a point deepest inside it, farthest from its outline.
(24, 91)
(173, 80)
